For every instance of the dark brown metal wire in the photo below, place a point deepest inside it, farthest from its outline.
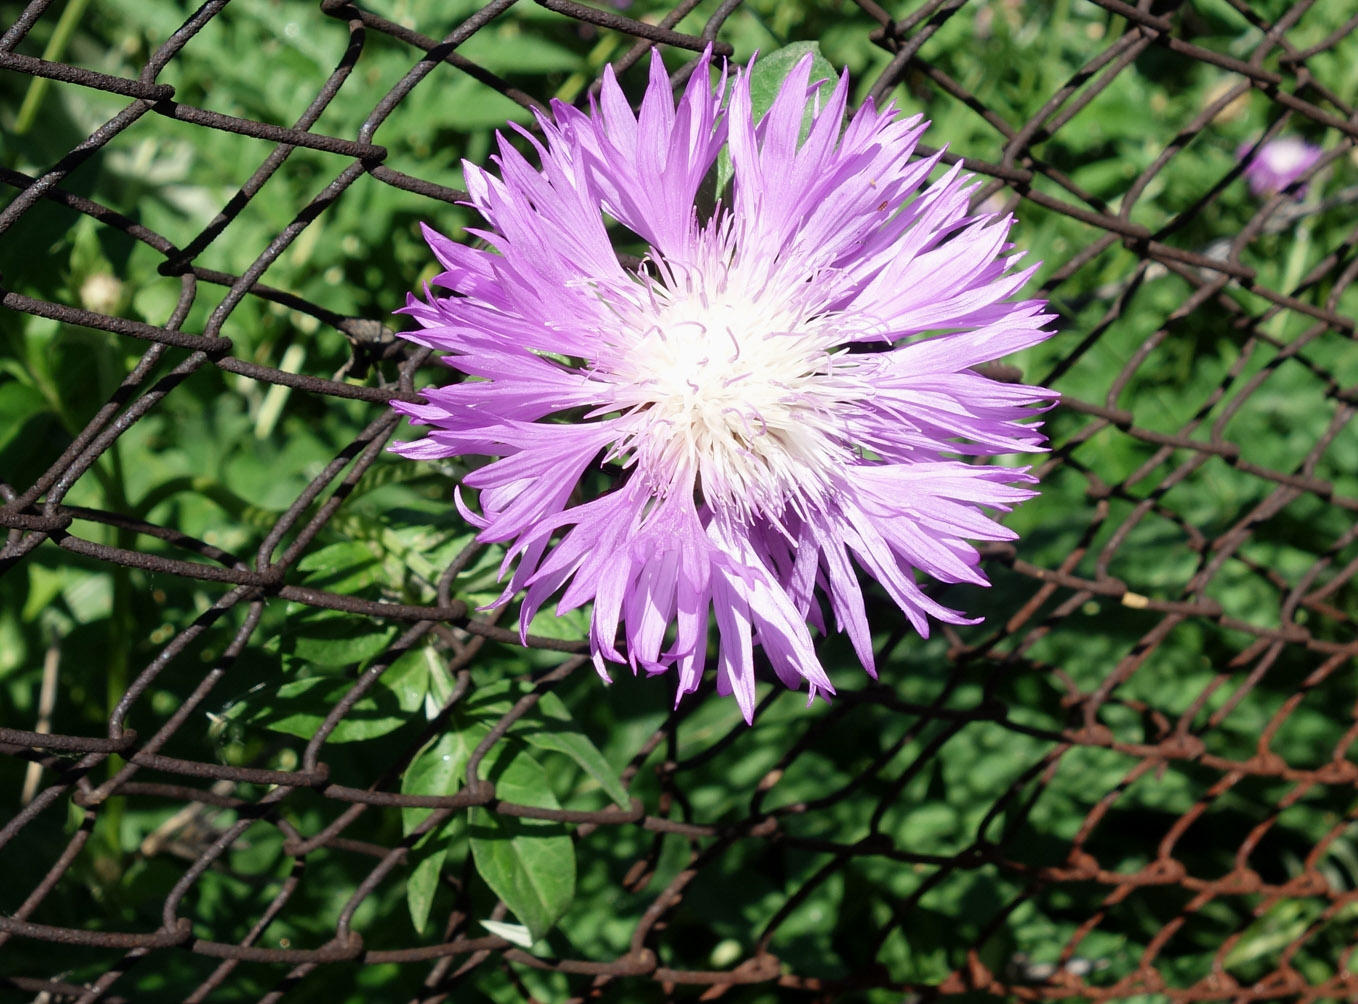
(1314, 631)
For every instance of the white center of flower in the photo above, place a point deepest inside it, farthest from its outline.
(734, 392)
(1285, 155)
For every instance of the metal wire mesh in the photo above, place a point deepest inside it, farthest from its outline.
(1291, 638)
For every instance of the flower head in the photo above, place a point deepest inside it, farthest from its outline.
(781, 387)
(1277, 164)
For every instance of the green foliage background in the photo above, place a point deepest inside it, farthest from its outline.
(223, 456)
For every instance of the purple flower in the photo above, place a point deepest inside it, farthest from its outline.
(1277, 164)
(781, 389)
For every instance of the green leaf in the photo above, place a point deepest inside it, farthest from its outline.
(573, 625)
(1281, 925)
(342, 568)
(509, 50)
(44, 586)
(408, 677)
(89, 597)
(490, 701)
(13, 650)
(548, 725)
(766, 80)
(18, 403)
(428, 856)
(771, 69)
(563, 737)
(333, 638)
(515, 934)
(438, 769)
(424, 878)
(528, 863)
(300, 706)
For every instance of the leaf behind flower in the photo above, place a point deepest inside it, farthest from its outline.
(766, 80)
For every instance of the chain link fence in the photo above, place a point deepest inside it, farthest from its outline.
(1134, 780)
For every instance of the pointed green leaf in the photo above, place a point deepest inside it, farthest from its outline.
(439, 769)
(515, 934)
(563, 737)
(18, 403)
(573, 625)
(766, 80)
(528, 863)
(550, 726)
(332, 637)
(429, 855)
(299, 707)
(408, 678)
(342, 568)
(771, 69)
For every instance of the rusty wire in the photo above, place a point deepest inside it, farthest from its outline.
(1312, 632)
